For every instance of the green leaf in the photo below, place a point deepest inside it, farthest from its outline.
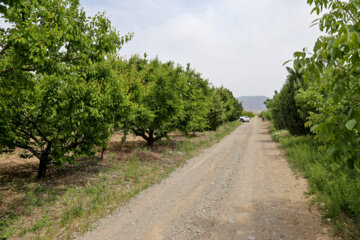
(314, 128)
(299, 54)
(2, 9)
(286, 62)
(351, 124)
(355, 113)
(330, 150)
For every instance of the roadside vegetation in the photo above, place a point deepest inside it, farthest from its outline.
(65, 94)
(336, 190)
(319, 106)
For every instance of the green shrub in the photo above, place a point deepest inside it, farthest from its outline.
(249, 114)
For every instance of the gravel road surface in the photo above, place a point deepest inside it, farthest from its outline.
(240, 188)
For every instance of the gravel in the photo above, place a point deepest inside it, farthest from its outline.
(240, 188)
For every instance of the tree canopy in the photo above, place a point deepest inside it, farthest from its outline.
(334, 66)
(57, 94)
(284, 109)
(328, 99)
(156, 97)
(166, 97)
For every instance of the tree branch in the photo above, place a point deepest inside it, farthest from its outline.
(141, 134)
(158, 137)
(26, 147)
(23, 69)
(37, 128)
(6, 71)
(75, 144)
(348, 12)
(31, 136)
(4, 49)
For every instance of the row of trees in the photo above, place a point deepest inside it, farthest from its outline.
(64, 90)
(165, 97)
(285, 109)
(324, 90)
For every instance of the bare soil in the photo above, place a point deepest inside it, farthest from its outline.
(241, 188)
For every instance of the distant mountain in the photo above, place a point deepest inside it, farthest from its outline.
(253, 103)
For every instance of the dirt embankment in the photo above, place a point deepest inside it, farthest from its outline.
(241, 188)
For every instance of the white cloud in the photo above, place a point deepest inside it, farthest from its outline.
(240, 44)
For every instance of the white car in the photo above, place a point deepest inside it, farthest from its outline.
(244, 119)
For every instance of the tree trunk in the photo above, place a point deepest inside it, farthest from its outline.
(150, 140)
(102, 154)
(44, 160)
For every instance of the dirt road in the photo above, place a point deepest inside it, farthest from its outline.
(241, 188)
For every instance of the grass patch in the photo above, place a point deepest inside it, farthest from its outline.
(336, 188)
(71, 199)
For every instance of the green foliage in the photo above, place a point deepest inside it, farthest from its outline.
(157, 97)
(5, 4)
(284, 108)
(331, 73)
(238, 110)
(165, 98)
(232, 107)
(247, 113)
(274, 106)
(57, 93)
(223, 107)
(196, 95)
(216, 114)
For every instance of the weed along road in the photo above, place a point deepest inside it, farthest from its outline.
(240, 188)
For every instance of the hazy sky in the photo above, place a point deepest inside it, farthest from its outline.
(240, 44)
